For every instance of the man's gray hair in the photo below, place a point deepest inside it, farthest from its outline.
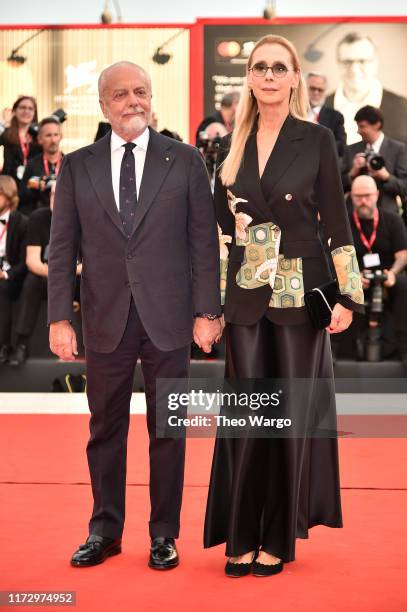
(315, 73)
(105, 74)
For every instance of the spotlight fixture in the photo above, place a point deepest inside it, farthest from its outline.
(160, 56)
(19, 60)
(107, 17)
(270, 10)
(15, 59)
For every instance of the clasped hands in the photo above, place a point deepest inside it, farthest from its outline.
(206, 333)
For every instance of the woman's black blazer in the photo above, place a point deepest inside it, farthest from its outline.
(300, 191)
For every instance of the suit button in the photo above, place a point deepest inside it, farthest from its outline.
(127, 284)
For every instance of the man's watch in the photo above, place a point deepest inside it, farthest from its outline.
(205, 315)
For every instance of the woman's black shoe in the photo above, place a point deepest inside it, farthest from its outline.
(237, 570)
(95, 551)
(261, 569)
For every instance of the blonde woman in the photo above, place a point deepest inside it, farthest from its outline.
(277, 177)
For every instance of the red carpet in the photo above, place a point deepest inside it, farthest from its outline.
(359, 568)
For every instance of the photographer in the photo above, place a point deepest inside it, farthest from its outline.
(225, 115)
(208, 144)
(18, 140)
(42, 170)
(35, 284)
(12, 258)
(382, 158)
(380, 239)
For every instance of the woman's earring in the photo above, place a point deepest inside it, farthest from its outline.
(251, 94)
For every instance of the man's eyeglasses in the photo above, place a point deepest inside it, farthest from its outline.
(316, 89)
(278, 70)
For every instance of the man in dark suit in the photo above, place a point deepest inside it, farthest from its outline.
(13, 227)
(359, 158)
(321, 113)
(140, 208)
(359, 86)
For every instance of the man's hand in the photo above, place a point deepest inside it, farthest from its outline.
(359, 162)
(2, 275)
(340, 320)
(62, 340)
(383, 174)
(206, 333)
(391, 278)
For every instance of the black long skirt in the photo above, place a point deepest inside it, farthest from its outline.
(266, 492)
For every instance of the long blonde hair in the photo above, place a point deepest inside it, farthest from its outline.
(247, 109)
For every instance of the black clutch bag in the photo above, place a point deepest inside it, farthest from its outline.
(320, 302)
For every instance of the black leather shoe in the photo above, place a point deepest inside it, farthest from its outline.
(4, 353)
(95, 551)
(163, 554)
(19, 357)
(261, 569)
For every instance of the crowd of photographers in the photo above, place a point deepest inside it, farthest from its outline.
(374, 176)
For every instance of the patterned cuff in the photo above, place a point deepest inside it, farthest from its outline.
(224, 256)
(347, 272)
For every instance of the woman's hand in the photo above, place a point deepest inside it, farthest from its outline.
(340, 320)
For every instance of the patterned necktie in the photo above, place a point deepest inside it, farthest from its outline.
(128, 190)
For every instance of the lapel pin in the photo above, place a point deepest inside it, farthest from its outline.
(167, 158)
(288, 197)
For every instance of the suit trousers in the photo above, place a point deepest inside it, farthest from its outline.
(5, 312)
(109, 388)
(33, 293)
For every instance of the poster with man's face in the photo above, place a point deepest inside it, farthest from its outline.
(360, 60)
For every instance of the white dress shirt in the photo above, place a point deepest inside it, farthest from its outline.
(378, 143)
(117, 152)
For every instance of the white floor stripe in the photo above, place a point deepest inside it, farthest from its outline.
(76, 403)
(57, 403)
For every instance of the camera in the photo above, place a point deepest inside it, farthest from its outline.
(375, 161)
(209, 148)
(59, 114)
(34, 182)
(374, 301)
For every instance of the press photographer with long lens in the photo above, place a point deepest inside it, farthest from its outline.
(42, 170)
(382, 158)
(380, 239)
(213, 127)
(19, 141)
